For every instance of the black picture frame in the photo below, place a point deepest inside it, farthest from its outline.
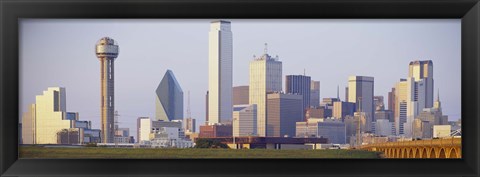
(13, 10)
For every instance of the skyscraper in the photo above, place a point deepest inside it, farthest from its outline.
(220, 69)
(46, 118)
(169, 99)
(360, 91)
(283, 111)
(422, 73)
(265, 76)
(315, 93)
(299, 84)
(106, 51)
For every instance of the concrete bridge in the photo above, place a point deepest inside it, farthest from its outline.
(435, 148)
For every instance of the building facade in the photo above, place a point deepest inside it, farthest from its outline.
(169, 99)
(265, 76)
(46, 118)
(283, 111)
(190, 125)
(220, 72)
(299, 84)
(342, 109)
(244, 120)
(360, 91)
(240, 95)
(315, 93)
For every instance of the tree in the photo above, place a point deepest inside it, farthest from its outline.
(209, 143)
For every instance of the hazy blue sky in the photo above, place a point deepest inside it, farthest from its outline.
(62, 53)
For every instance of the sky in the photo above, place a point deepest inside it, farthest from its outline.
(61, 53)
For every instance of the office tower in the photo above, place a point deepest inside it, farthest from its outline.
(190, 125)
(206, 108)
(144, 126)
(315, 93)
(405, 106)
(360, 91)
(220, 69)
(342, 109)
(391, 100)
(283, 111)
(169, 99)
(422, 72)
(107, 51)
(318, 112)
(381, 113)
(240, 95)
(244, 120)
(299, 84)
(265, 76)
(46, 118)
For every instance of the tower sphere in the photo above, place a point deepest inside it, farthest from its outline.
(106, 48)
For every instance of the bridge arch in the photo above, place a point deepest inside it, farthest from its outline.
(423, 154)
(442, 153)
(397, 154)
(417, 153)
(410, 153)
(432, 154)
(453, 153)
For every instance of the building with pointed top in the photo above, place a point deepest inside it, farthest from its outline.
(169, 99)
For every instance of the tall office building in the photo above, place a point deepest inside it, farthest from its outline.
(169, 99)
(240, 95)
(405, 105)
(265, 76)
(422, 73)
(299, 84)
(391, 100)
(46, 117)
(107, 51)
(378, 102)
(220, 69)
(244, 120)
(315, 93)
(283, 111)
(360, 91)
(342, 109)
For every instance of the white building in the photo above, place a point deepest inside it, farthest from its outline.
(220, 69)
(265, 76)
(440, 131)
(46, 118)
(244, 120)
(360, 91)
(144, 129)
(169, 137)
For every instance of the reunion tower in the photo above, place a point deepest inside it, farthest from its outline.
(107, 50)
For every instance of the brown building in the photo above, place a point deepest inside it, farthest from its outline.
(215, 131)
(318, 112)
(240, 95)
(283, 111)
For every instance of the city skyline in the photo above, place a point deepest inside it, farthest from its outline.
(126, 73)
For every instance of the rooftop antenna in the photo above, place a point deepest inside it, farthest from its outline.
(338, 96)
(266, 48)
(303, 71)
(438, 94)
(189, 113)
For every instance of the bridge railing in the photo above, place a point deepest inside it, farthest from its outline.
(453, 141)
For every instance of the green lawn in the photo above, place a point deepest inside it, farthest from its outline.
(99, 152)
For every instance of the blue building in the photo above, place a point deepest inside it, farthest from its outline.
(169, 99)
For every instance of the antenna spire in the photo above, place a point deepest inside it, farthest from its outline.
(188, 105)
(438, 94)
(266, 48)
(338, 96)
(303, 71)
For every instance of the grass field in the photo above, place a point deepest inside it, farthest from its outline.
(101, 152)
